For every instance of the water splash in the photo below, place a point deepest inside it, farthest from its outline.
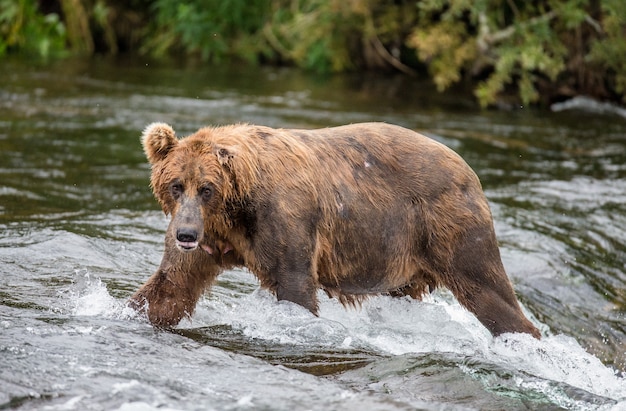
(90, 297)
(390, 326)
(394, 327)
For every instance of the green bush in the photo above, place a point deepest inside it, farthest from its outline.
(213, 29)
(533, 51)
(522, 45)
(609, 50)
(24, 29)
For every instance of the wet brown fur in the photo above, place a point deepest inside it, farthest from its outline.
(355, 210)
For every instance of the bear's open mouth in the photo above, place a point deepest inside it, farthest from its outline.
(187, 245)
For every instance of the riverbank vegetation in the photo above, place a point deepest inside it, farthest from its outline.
(509, 51)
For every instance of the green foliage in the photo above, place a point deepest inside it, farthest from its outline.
(447, 48)
(23, 29)
(213, 29)
(609, 51)
(521, 45)
(515, 42)
(527, 49)
(315, 34)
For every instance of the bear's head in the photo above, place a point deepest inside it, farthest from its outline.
(193, 178)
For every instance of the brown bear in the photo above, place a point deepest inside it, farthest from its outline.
(354, 210)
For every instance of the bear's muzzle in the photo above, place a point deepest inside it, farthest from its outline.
(186, 238)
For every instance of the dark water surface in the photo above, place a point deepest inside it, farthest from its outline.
(80, 231)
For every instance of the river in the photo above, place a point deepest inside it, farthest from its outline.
(80, 231)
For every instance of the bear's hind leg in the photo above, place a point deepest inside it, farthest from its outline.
(497, 314)
(477, 278)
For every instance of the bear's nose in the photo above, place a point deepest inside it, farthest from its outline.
(186, 235)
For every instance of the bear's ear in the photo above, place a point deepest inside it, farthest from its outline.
(158, 140)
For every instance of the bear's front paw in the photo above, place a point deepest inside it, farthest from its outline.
(161, 313)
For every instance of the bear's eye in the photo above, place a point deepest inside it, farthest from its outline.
(206, 192)
(176, 189)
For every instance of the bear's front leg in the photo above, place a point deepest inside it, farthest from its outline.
(298, 287)
(172, 292)
(294, 276)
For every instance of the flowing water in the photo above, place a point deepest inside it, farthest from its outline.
(80, 231)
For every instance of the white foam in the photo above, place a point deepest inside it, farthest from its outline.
(125, 386)
(68, 405)
(89, 297)
(392, 326)
(389, 326)
(590, 105)
(143, 406)
(558, 358)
